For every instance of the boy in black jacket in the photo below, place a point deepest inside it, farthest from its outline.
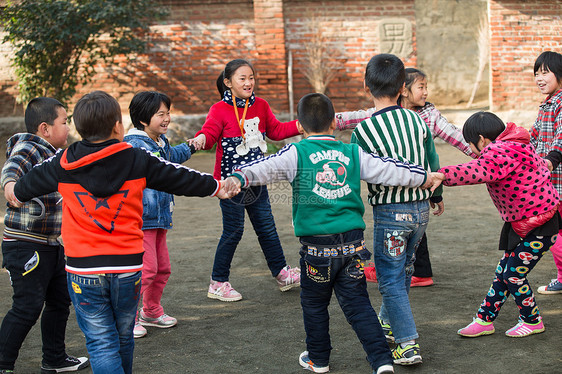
(102, 180)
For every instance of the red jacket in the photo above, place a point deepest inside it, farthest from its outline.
(221, 127)
(102, 185)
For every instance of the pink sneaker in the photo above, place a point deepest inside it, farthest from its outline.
(477, 328)
(138, 331)
(164, 321)
(523, 329)
(288, 278)
(223, 291)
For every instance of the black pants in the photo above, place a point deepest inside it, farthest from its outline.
(39, 283)
(422, 265)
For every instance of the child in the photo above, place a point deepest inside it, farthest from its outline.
(150, 115)
(400, 214)
(546, 137)
(101, 180)
(328, 219)
(31, 251)
(239, 131)
(414, 97)
(519, 183)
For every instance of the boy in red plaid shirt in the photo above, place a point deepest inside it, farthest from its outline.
(546, 136)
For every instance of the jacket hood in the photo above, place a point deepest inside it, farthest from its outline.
(26, 137)
(98, 167)
(514, 133)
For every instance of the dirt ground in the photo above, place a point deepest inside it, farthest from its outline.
(264, 332)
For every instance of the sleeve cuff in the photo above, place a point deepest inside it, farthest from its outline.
(241, 177)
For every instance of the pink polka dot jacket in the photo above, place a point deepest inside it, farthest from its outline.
(518, 179)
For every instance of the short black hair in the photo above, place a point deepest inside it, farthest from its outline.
(385, 75)
(95, 115)
(144, 105)
(482, 123)
(550, 61)
(315, 112)
(39, 110)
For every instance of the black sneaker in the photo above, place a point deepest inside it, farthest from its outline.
(70, 364)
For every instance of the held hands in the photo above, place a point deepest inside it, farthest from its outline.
(198, 142)
(9, 195)
(230, 187)
(433, 181)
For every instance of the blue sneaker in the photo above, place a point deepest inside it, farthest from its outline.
(306, 363)
(554, 287)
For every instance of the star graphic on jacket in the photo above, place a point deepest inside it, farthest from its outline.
(100, 202)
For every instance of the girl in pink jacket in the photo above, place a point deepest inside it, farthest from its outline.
(519, 183)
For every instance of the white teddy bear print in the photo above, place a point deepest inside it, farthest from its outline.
(253, 138)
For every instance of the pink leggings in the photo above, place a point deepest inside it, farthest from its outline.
(156, 271)
(556, 250)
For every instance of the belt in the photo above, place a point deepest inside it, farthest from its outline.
(335, 251)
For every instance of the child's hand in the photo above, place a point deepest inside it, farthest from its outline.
(9, 195)
(232, 185)
(229, 188)
(433, 181)
(549, 164)
(440, 207)
(198, 142)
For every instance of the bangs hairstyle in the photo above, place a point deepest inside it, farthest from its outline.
(39, 110)
(146, 104)
(385, 76)
(486, 124)
(315, 113)
(412, 75)
(95, 115)
(550, 61)
(229, 71)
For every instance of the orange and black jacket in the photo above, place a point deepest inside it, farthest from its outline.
(102, 185)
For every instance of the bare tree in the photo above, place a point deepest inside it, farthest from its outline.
(322, 61)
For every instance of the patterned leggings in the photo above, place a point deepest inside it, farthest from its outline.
(511, 278)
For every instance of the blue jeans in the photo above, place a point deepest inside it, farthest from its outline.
(106, 307)
(397, 233)
(254, 200)
(344, 275)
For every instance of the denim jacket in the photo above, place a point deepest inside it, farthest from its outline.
(158, 206)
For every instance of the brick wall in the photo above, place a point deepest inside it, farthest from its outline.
(350, 30)
(520, 31)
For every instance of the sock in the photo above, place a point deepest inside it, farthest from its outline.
(409, 342)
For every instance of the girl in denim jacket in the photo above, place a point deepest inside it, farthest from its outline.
(150, 114)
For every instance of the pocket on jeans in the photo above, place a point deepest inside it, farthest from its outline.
(356, 266)
(317, 269)
(396, 242)
(87, 298)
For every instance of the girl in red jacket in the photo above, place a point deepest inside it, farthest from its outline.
(518, 181)
(238, 124)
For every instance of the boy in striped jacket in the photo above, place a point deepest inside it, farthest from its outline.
(401, 214)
